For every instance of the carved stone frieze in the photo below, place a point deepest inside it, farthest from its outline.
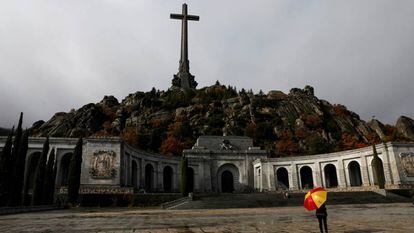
(407, 163)
(102, 164)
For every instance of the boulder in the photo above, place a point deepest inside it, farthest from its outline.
(405, 126)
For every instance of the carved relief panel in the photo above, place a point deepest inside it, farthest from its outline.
(102, 164)
(407, 163)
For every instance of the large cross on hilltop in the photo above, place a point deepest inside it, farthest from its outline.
(183, 78)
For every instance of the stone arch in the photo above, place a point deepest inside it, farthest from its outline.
(64, 169)
(228, 178)
(134, 174)
(331, 177)
(354, 170)
(33, 160)
(282, 178)
(149, 177)
(190, 179)
(374, 175)
(306, 177)
(167, 178)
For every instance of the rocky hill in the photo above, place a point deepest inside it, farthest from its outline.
(169, 121)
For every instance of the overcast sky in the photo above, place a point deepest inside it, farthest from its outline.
(59, 55)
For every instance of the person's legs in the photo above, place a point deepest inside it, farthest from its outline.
(320, 224)
(325, 224)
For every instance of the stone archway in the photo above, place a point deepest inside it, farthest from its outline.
(228, 178)
(282, 178)
(31, 170)
(64, 169)
(149, 177)
(227, 182)
(167, 178)
(374, 171)
(306, 177)
(190, 179)
(331, 178)
(354, 170)
(134, 174)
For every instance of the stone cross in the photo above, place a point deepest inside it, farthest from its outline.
(183, 78)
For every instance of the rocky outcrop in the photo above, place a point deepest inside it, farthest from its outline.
(405, 126)
(378, 127)
(293, 123)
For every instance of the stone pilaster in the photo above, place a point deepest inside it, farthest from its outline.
(142, 173)
(294, 177)
(159, 174)
(364, 172)
(317, 175)
(386, 165)
(271, 177)
(341, 174)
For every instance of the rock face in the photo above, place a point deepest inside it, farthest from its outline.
(284, 124)
(405, 126)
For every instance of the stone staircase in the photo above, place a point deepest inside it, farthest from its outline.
(261, 200)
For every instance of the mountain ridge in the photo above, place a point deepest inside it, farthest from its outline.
(169, 121)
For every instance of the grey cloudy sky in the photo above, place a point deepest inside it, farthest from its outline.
(58, 55)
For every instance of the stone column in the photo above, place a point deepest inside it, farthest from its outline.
(341, 174)
(271, 177)
(207, 176)
(364, 172)
(294, 177)
(58, 170)
(395, 165)
(142, 173)
(159, 177)
(386, 165)
(317, 174)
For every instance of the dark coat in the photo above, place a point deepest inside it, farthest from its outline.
(321, 212)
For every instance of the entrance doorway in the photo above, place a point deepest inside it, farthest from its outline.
(354, 170)
(190, 179)
(306, 177)
(167, 178)
(282, 177)
(149, 178)
(227, 182)
(331, 179)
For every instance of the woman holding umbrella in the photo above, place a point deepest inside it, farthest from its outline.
(321, 214)
(315, 200)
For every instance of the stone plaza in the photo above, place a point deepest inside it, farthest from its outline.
(341, 218)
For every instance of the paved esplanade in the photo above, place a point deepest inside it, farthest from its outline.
(341, 218)
(184, 76)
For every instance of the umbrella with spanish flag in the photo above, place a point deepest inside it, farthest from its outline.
(315, 198)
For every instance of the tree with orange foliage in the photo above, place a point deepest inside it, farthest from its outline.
(172, 146)
(130, 136)
(179, 137)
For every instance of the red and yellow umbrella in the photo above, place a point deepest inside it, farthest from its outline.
(315, 198)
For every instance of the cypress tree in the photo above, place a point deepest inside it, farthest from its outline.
(74, 173)
(38, 195)
(5, 166)
(17, 196)
(378, 169)
(49, 188)
(184, 165)
(16, 143)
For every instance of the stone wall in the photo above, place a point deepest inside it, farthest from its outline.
(344, 165)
